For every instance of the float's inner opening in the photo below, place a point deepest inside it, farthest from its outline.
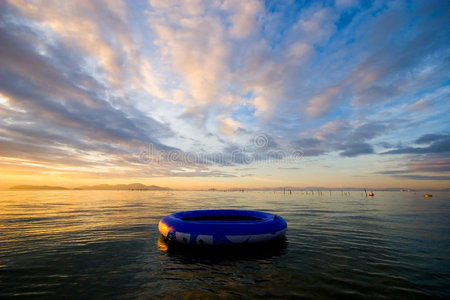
(221, 218)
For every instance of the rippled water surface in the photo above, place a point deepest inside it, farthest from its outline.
(99, 244)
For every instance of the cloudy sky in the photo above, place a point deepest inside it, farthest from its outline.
(200, 94)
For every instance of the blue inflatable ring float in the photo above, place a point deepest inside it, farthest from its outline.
(221, 227)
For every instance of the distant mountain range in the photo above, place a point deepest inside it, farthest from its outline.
(143, 187)
(37, 187)
(132, 186)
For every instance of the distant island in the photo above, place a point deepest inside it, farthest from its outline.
(132, 186)
(127, 187)
(37, 187)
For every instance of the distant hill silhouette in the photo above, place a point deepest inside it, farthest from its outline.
(37, 187)
(132, 186)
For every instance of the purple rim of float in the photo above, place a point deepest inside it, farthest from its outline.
(222, 227)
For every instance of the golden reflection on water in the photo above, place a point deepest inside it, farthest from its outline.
(31, 215)
(28, 214)
(162, 245)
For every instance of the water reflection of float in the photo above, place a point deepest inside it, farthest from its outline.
(222, 227)
(217, 255)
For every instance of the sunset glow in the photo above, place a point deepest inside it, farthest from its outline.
(225, 94)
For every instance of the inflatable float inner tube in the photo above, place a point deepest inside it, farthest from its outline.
(221, 227)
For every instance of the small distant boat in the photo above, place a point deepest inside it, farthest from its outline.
(428, 195)
(371, 194)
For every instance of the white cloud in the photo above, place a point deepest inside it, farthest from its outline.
(243, 16)
(315, 25)
(228, 126)
(101, 31)
(261, 106)
(322, 103)
(346, 4)
(194, 44)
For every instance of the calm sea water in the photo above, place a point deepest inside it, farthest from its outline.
(99, 244)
